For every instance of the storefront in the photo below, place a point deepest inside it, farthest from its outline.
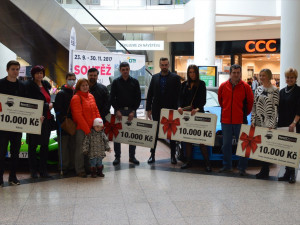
(252, 55)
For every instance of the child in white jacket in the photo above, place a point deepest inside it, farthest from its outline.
(94, 145)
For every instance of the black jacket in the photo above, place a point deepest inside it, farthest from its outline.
(186, 96)
(156, 101)
(33, 91)
(5, 88)
(62, 103)
(101, 95)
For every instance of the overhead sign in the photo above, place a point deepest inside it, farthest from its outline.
(141, 45)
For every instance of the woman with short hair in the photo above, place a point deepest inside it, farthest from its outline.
(289, 113)
(84, 112)
(264, 111)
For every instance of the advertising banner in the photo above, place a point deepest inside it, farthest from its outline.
(20, 114)
(274, 146)
(137, 132)
(107, 64)
(198, 129)
(208, 74)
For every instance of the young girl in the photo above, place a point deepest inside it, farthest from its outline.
(94, 145)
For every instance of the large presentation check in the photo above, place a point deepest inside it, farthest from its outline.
(198, 129)
(20, 114)
(136, 132)
(274, 146)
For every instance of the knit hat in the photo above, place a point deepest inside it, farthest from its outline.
(98, 122)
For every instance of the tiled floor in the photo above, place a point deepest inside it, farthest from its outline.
(144, 194)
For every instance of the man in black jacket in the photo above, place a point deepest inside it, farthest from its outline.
(10, 85)
(125, 98)
(163, 92)
(62, 109)
(100, 93)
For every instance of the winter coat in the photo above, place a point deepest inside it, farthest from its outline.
(95, 144)
(84, 111)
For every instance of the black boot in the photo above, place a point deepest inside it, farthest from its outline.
(292, 179)
(186, 165)
(208, 167)
(152, 158)
(93, 172)
(264, 173)
(204, 152)
(173, 159)
(100, 171)
(286, 175)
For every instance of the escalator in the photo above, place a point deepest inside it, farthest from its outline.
(39, 31)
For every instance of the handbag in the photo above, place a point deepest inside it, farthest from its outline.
(190, 107)
(68, 125)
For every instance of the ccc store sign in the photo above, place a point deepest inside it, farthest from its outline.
(261, 46)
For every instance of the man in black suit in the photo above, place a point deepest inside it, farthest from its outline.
(163, 93)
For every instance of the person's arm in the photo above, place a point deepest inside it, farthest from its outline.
(95, 108)
(113, 95)
(106, 142)
(106, 102)
(149, 100)
(138, 95)
(86, 145)
(253, 112)
(250, 99)
(220, 97)
(59, 107)
(272, 121)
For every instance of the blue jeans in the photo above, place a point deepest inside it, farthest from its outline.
(228, 131)
(96, 162)
(117, 146)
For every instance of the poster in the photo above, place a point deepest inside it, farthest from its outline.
(19, 114)
(198, 129)
(269, 145)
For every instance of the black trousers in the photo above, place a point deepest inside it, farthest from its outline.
(15, 143)
(172, 143)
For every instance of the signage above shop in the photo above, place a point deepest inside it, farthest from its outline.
(261, 46)
(141, 45)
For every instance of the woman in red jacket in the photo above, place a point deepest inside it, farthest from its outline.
(84, 111)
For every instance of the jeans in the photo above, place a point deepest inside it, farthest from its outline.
(96, 162)
(228, 131)
(15, 144)
(117, 146)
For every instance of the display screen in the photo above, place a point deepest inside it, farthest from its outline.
(208, 74)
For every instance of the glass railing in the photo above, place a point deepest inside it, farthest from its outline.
(81, 12)
(122, 4)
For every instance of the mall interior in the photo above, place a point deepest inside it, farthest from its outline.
(255, 34)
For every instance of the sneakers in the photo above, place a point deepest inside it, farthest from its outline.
(13, 181)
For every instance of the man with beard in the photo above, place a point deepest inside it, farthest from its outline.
(163, 92)
(100, 93)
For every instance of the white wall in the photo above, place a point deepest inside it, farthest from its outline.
(5, 56)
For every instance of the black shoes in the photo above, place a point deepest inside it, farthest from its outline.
(151, 159)
(208, 168)
(45, 175)
(100, 171)
(186, 165)
(225, 170)
(242, 173)
(263, 174)
(116, 161)
(13, 181)
(173, 160)
(134, 161)
(292, 179)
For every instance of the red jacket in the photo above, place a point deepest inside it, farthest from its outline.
(231, 101)
(84, 111)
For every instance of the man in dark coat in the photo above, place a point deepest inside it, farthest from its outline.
(100, 93)
(10, 85)
(163, 92)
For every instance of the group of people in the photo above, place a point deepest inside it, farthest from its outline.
(269, 108)
(88, 102)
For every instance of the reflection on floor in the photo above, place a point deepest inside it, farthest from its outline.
(145, 194)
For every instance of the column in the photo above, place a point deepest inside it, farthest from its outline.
(290, 36)
(205, 32)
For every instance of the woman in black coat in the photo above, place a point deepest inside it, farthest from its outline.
(289, 113)
(38, 88)
(193, 98)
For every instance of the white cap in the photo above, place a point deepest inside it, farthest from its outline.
(98, 122)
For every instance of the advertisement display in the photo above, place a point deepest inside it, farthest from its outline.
(198, 129)
(269, 145)
(137, 132)
(19, 114)
(208, 74)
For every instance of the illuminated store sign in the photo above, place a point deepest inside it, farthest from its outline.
(141, 45)
(261, 46)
